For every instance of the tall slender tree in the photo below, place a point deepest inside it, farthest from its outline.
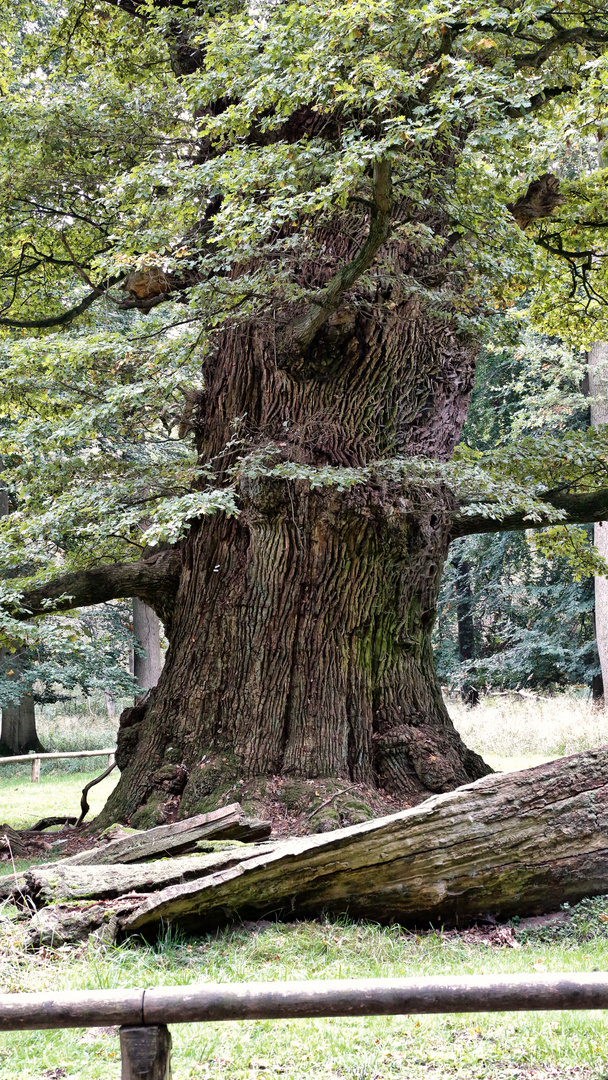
(318, 208)
(147, 664)
(598, 390)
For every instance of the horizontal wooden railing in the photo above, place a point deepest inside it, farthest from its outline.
(143, 1014)
(37, 758)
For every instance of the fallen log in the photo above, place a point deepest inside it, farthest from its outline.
(520, 843)
(66, 924)
(58, 883)
(227, 823)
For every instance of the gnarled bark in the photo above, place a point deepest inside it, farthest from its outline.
(302, 650)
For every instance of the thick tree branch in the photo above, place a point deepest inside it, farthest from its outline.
(53, 320)
(537, 101)
(66, 316)
(576, 35)
(304, 330)
(580, 509)
(153, 579)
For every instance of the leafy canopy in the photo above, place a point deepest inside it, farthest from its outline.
(144, 139)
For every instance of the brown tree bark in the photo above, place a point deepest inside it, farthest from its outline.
(300, 641)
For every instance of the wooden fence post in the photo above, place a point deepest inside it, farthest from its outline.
(145, 1053)
(36, 770)
(111, 759)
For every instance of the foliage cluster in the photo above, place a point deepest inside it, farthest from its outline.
(86, 650)
(530, 597)
(144, 139)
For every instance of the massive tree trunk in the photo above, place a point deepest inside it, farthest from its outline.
(300, 637)
(300, 663)
(300, 648)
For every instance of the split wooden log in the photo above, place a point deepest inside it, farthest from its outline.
(11, 843)
(58, 883)
(21, 844)
(520, 843)
(227, 823)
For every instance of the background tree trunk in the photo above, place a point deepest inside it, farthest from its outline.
(18, 733)
(466, 627)
(146, 629)
(598, 389)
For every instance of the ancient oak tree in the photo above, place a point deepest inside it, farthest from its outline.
(249, 254)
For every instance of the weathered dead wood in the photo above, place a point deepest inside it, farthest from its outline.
(520, 843)
(19, 844)
(63, 924)
(227, 823)
(11, 842)
(146, 1053)
(58, 883)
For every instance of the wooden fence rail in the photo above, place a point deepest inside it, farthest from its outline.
(37, 758)
(143, 1015)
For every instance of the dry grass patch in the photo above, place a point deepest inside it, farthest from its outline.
(515, 732)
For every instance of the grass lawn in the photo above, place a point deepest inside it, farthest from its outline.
(523, 1046)
(22, 803)
(505, 1046)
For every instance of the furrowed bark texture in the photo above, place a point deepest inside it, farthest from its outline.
(300, 644)
(305, 658)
